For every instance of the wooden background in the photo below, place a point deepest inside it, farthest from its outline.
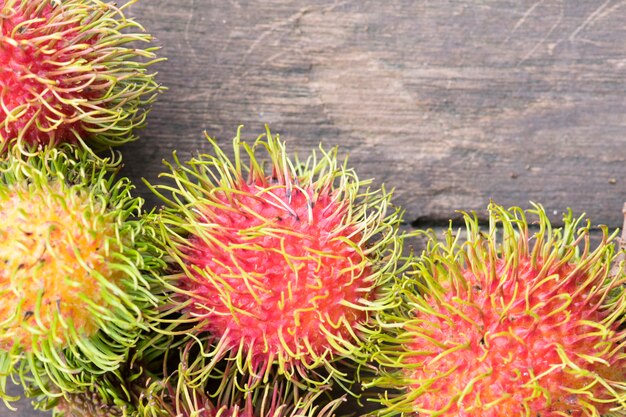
(452, 103)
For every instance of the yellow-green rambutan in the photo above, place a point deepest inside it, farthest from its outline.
(508, 322)
(275, 265)
(76, 270)
(72, 71)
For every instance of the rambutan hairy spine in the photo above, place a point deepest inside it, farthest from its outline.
(174, 397)
(505, 322)
(276, 267)
(114, 394)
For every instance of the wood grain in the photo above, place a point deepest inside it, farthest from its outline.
(452, 103)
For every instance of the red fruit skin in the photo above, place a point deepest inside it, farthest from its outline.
(280, 272)
(30, 75)
(502, 348)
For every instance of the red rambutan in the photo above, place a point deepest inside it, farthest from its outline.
(67, 73)
(500, 325)
(278, 267)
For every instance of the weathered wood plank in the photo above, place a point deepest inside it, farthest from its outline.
(452, 103)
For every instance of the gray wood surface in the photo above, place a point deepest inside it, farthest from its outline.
(453, 103)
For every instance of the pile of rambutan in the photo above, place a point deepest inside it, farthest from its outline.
(266, 285)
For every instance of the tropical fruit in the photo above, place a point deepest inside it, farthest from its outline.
(516, 320)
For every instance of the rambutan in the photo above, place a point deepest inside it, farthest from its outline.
(173, 397)
(505, 324)
(87, 404)
(116, 394)
(276, 266)
(71, 70)
(75, 269)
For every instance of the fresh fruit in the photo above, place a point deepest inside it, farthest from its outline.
(76, 270)
(69, 73)
(277, 265)
(508, 322)
(172, 397)
(115, 394)
(87, 404)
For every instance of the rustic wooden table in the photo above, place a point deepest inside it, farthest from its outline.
(453, 103)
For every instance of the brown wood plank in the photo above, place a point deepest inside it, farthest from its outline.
(452, 103)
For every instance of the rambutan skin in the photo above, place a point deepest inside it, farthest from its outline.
(277, 267)
(76, 269)
(508, 324)
(289, 313)
(86, 405)
(68, 73)
(123, 393)
(44, 240)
